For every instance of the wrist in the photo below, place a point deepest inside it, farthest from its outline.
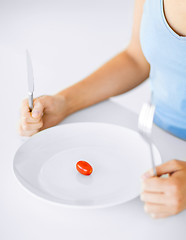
(67, 102)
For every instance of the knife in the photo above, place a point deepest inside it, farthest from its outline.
(30, 77)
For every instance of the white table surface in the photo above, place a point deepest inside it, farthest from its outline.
(25, 216)
(60, 39)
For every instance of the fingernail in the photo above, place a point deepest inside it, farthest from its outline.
(35, 113)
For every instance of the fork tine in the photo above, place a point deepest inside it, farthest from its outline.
(150, 118)
(143, 121)
(141, 118)
(146, 120)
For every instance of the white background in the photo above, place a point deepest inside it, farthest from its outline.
(67, 41)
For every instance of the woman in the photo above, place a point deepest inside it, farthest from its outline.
(157, 48)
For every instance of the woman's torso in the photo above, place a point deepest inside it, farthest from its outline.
(165, 50)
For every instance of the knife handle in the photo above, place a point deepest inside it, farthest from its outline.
(30, 101)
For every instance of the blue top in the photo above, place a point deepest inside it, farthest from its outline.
(165, 50)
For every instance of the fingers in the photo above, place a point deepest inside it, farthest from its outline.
(155, 208)
(169, 167)
(31, 122)
(160, 205)
(38, 109)
(160, 215)
(32, 126)
(165, 168)
(36, 113)
(156, 198)
(24, 132)
(159, 210)
(172, 201)
(25, 111)
(155, 184)
(164, 197)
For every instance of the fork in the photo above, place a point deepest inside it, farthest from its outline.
(145, 122)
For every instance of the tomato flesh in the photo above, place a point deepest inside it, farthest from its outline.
(84, 167)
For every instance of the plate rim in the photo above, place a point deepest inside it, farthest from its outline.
(32, 190)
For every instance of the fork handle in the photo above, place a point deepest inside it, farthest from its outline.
(152, 160)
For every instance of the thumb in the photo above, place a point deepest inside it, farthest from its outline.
(165, 168)
(37, 111)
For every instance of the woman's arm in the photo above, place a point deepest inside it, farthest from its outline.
(124, 72)
(121, 74)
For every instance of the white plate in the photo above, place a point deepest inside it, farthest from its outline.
(46, 164)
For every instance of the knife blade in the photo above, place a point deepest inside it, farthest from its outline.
(30, 78)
